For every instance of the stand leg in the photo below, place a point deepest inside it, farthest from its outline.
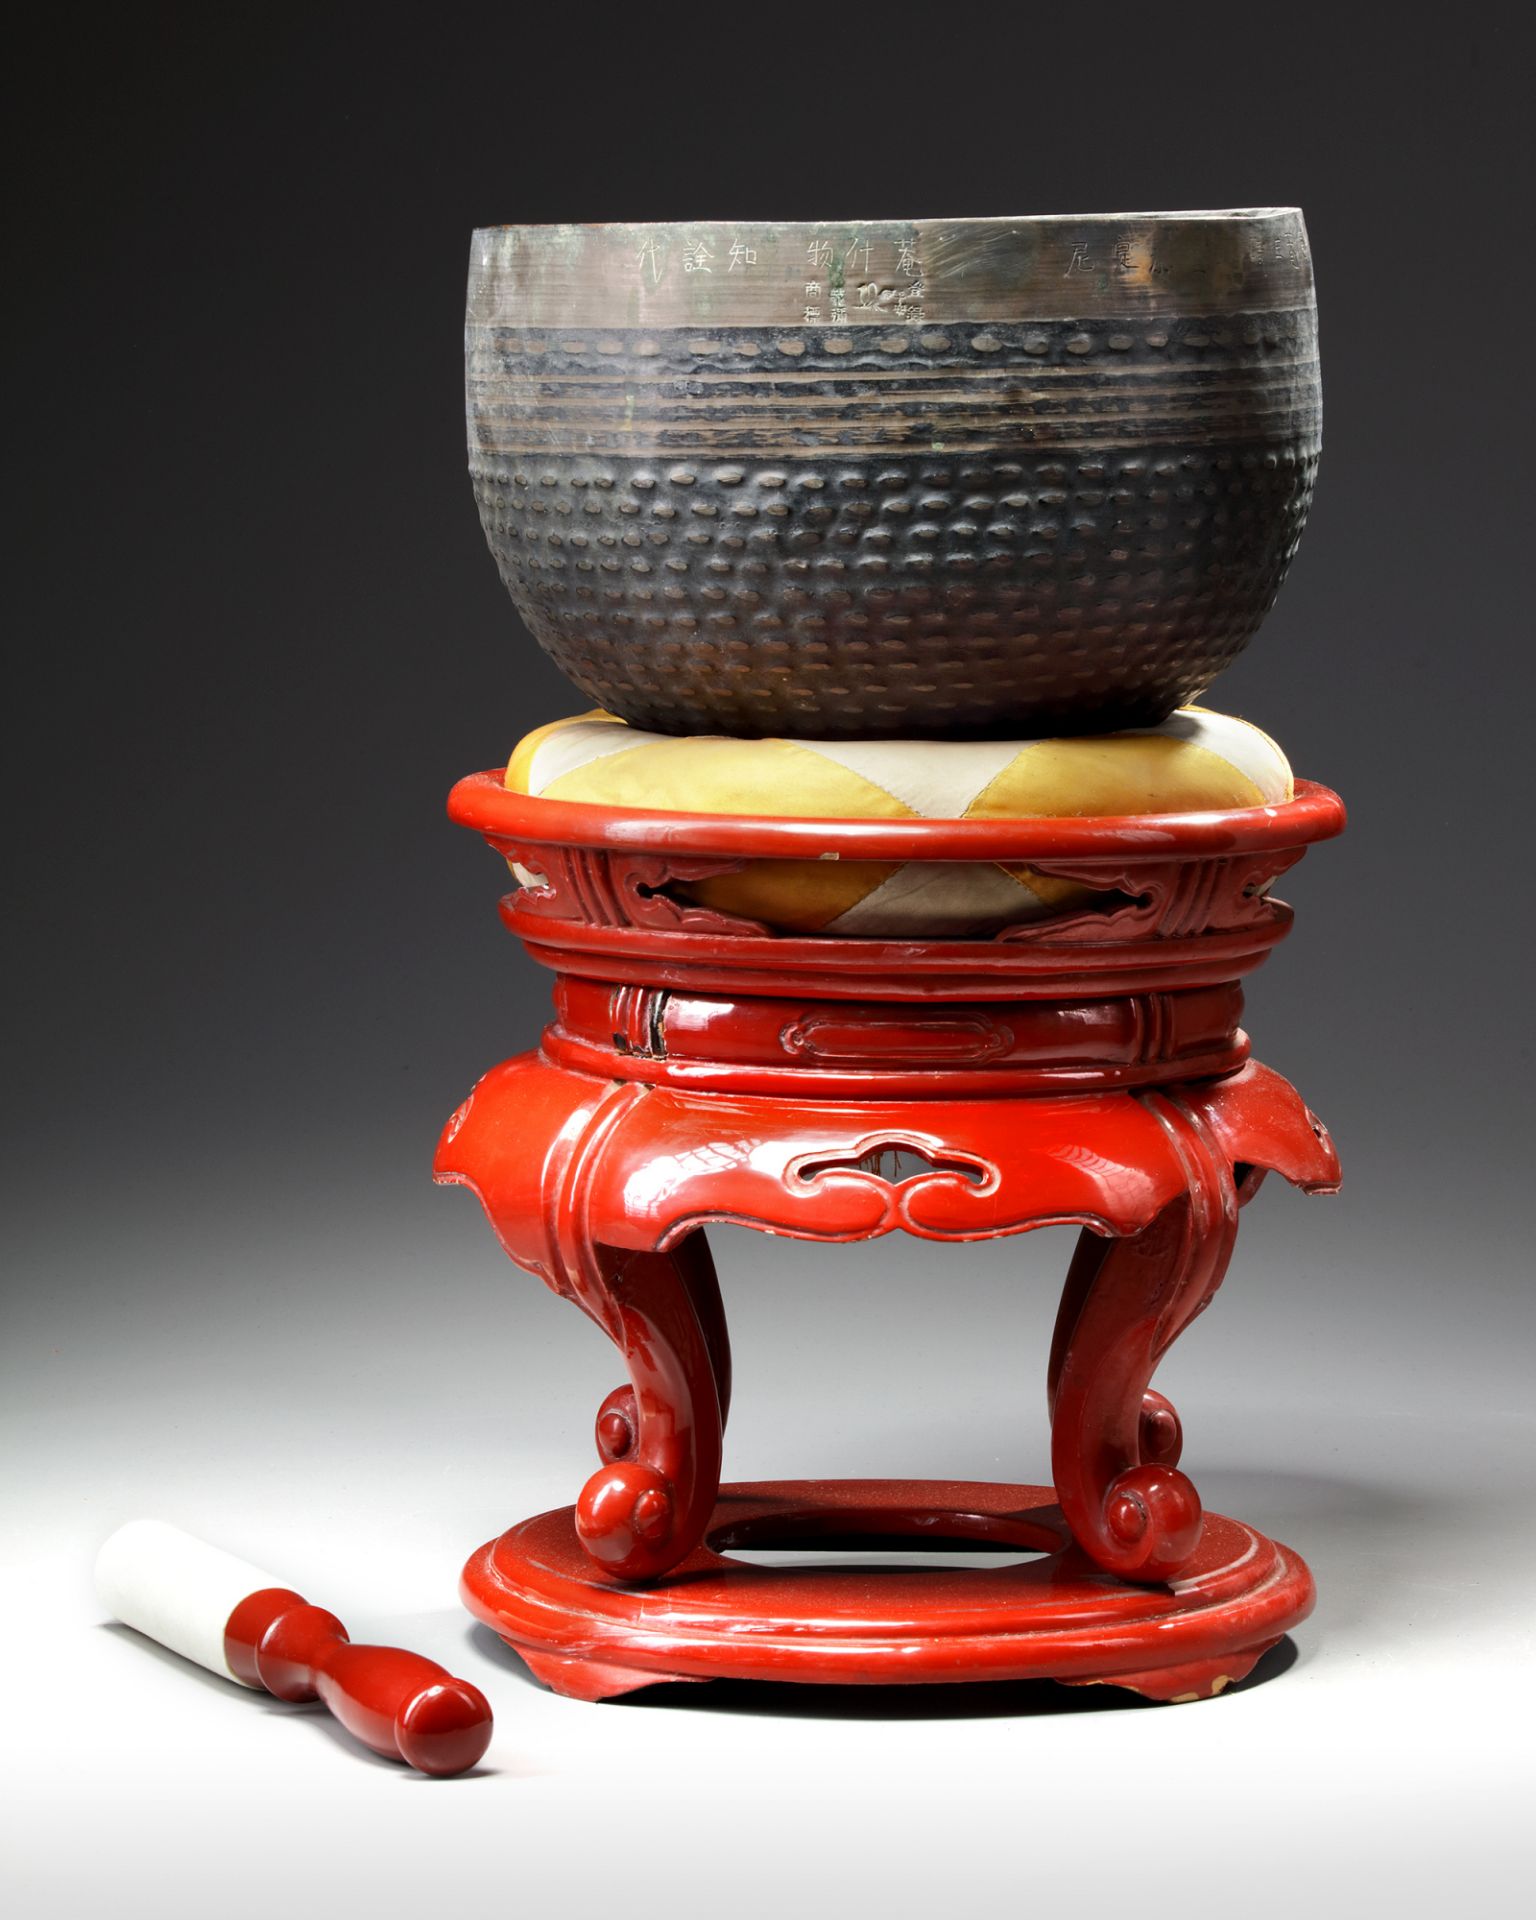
(1160, 1431)
(1114, 1442)
(698, 1270)
(647, 1507)
(618, 1422)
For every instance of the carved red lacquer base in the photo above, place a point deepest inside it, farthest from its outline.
(1047, 1615)
(1047, 1612)
(1088, 1069)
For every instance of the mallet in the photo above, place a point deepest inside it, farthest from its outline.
(244, 1625)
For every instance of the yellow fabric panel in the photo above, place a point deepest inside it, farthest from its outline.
(1126, 773)
(1116, 773)
(717, 776)
(800, 896)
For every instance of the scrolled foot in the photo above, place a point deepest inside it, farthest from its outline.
(624, 1519)
(658, 1435)
(1161, 1431)
(1152, 1522)
(618, 1425)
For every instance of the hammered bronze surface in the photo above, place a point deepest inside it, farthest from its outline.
(1002, 477)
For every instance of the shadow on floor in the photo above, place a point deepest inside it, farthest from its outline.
(964, 1700)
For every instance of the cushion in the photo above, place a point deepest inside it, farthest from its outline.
(1195, 760)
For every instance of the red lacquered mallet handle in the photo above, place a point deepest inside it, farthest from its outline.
(235, 1620)
(401, 1704)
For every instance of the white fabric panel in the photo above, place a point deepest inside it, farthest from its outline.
(937, 779)
(949, 897)
(176, 1589)
(568, 748)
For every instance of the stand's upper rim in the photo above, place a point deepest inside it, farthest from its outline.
(481, 801)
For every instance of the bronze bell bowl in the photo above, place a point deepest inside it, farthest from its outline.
(894, 478)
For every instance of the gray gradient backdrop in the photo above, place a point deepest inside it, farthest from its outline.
(250, 969)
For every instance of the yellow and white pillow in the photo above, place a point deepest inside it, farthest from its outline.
(1194, 760)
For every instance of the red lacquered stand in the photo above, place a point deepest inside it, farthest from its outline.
(1086, 1069)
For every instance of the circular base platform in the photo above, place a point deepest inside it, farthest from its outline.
(1050, 1615)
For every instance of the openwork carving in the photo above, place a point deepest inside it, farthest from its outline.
(1132, 900)
(894, 1162)
(1163, 900)
(622, 888)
